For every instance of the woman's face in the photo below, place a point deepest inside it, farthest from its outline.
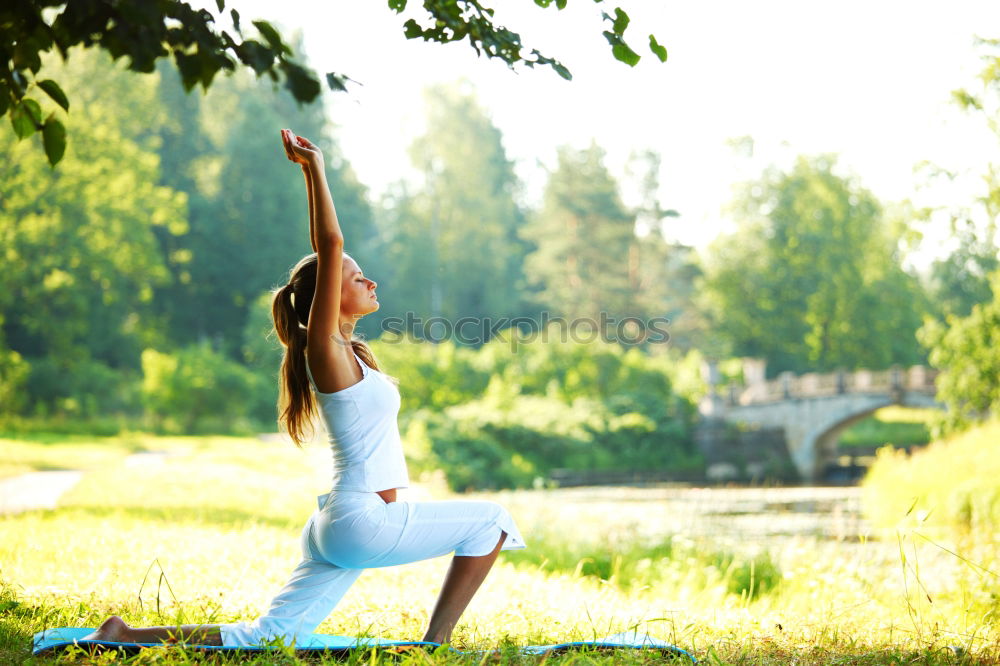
(357, 293)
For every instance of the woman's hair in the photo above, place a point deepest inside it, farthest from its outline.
(290, 310)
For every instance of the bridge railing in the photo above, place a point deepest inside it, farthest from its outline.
(812, 384)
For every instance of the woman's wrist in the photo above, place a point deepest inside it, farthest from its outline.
(313, 164)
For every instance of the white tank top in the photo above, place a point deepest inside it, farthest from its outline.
(363, 432)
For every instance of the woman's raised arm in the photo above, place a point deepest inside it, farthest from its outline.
(327, 240)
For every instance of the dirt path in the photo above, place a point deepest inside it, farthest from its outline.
(35, 490)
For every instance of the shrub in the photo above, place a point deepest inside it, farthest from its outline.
(197, 390)
(953, 483)
(504, 441)
(81, 389)
(967, 350)
(13, 374)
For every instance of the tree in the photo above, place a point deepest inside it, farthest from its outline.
(455, 251)
(662, 273)
(147, 30)
(584, 235)
(80, 261)
(967, 351)
(961, 280)
(813, 278)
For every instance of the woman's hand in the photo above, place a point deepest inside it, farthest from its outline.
(300, 149)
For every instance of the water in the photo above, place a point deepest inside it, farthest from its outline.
(748, 514)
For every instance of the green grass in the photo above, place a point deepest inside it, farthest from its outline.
(210, 534)
(899, 426)
(951, 487)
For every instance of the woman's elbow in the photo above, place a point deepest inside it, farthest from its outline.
(329, 242)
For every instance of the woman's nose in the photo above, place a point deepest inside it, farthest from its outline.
(374, 283)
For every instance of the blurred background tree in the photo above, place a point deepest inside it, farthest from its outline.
(812, 280)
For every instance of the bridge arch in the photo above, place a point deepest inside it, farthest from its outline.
(814, 410)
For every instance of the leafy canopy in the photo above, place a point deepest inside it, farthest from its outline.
(147, 30)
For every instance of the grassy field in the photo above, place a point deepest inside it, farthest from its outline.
(209, 533)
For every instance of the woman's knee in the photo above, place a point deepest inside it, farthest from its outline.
(307, 540)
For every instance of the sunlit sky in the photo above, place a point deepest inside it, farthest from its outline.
(870, 81)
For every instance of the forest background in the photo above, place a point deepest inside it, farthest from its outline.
(137, 277)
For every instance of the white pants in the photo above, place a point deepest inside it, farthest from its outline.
(353, 531)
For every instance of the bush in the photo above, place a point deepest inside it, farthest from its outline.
(81, 389)
(505, 441)
(953, 483)
(197, 390)
(13, 374)
(432, 376)
(967, 350)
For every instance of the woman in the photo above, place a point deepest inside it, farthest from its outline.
(359, 524)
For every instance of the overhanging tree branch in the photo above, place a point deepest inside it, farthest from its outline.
(147, 30)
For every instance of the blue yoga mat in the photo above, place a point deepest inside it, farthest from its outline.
(53, 640)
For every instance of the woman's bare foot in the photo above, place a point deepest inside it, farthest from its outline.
(113, 629)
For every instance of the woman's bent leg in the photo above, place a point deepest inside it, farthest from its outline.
(475, 531)
(312, 591)
(463, 579)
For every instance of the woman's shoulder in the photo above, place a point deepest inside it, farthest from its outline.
(334, 376)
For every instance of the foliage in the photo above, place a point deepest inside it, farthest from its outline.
(954, 483)
(432, 376)
(81, 258)
(196, 390)
(554, 405)
(960, 280)
(582, 233)
(13, 372)
(451, 250)
(146, 32)
(967, 351)
(590, 267)
(167, 252)
(812, 281)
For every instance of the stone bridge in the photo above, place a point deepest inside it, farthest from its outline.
(813, 409)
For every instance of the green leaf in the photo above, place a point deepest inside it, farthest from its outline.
(560, 4)
(412, 29)
(625, 54)
(621, 21)
(271, 36)
(53, 90)
(26, 118)
(656, 48)
(54, 138)
(562, 71)
(4, 98)
(300, 81)
(255, 54)
(221, 4)
(336, 81)
(236, 19)
(26, 56)
(397, 5)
